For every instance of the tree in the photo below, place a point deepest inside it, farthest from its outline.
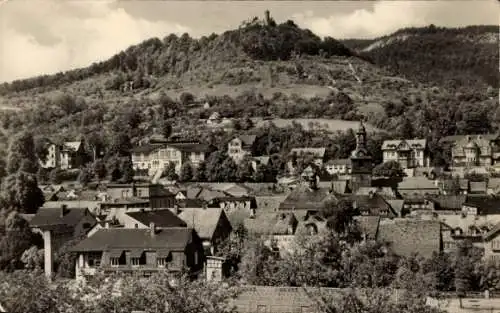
(166, 129)
(127, 169)
(85, 176)
(22, 150)
(170, 172)
(16, 240)
(99, 169)
(339, 215)
(186, 173)
(30, 291)
(390, 169)
(186, 98)
(65, 259)
(20, 191)
(406, 130)
(33, 258)
(200, 172)
(244, 171)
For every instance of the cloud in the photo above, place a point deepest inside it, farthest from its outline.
(52, 36)
(388, 16)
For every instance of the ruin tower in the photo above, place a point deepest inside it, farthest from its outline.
(361, 162)
(267, 17)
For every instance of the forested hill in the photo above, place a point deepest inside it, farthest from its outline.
(448, 57)
(262, 70)
(255, 40)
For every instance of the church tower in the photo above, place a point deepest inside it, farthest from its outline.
(361, 162)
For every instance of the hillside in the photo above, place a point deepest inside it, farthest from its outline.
(260, 70)
(448, 57)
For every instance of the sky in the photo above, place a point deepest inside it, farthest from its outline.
(47, 36)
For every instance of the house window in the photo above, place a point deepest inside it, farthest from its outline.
(161, 262)
(115, 261)
(135, 261)
(94, 259)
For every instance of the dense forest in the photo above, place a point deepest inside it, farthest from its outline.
(450, 57)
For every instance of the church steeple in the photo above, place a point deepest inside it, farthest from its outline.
(361, 162)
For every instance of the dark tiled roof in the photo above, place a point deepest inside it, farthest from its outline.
(397, 205)
(173, 239)
(303, 195)
(485, 204)
(448, 202)
(191, 147)
(190, 203)
(478, 187)
(52, 217)
(161, 218)
(204, 221)
(272, 223)
(407, 236)
(368, 225)
(145, 149)
(374, 205)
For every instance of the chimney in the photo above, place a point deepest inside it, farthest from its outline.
(176, 209)
(106, 225)
(63, 210)
(152, 228)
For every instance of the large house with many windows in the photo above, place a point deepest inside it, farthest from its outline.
(408, 153)
(474, 150)
(144, 251)
(153, 157)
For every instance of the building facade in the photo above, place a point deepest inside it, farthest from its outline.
(408, 153)
(240, 147)
(152, 158)
(69, 155)
(475, 150)
(144, 251)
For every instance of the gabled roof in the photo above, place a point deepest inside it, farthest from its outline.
(494, 184)
(161, 218)
(247, 140)
(368, 225)
(73, 145)
(397, 205)
(272, 223)
(106, 239)
(204, 221)
(478, 187)
(489, 235)
(303, 197)
(421, 183)
(144, 149)
(373, 204)
(404, 144)
(448, 202)
(51, 217)
(386, 192)
(339, 162)
(191, 147)
(409, 236)
(453, 139)
(317, 152)
(485, 204)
